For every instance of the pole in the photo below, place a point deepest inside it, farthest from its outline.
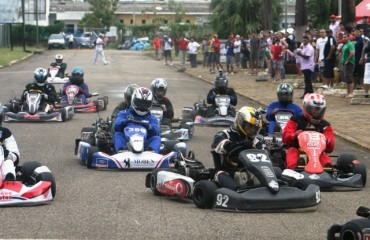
(286, 15)
(23, 27)
(133, 14)
(339, 7)
(37, 22)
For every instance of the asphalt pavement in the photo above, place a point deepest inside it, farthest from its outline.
(350, 122)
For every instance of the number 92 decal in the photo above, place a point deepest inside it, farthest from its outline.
(222, 200)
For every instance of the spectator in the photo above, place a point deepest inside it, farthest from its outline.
(183, 48)
(254, 44)
(334, 26)
(307, 55)
(70, 40)
(244, 52)
(99, 50)
(216, 46)
(285, 46)
(348, 61)
(205, 49)
(193, 52)
(276, 55)
(366, 51)
(237, 46)
(175, 41)
(157, 45)
(229, 46)
(319, 53)
(167, 46)
(329, 60)
(358, 72)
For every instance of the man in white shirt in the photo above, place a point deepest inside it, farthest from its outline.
(99, 50)
(319, 53)
(167, 47)
(334, 26)
(70, 40)
(193, 51)
(237, 45)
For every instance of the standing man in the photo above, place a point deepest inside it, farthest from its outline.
(237, 46)
(363, 60)
(307, 55)
(183, 48)
(348, 61)
(329, 60)
(70, 40)
(319, 53)
(334, 26)
(167, 46)
(254, 44)
(205, 49)
(229, 47)
(157, 45)
(99, 50)
(193, 52)
(358, 73)
(216, 46)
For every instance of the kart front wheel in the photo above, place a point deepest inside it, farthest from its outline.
(352, 230)
(47, 177)
(360, 169)
(344, 162)
(90, 154)
(153, 182)
(204, 194)
(63, 113)
(96, 104)
(27, 170)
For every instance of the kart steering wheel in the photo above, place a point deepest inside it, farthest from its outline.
(234, 154)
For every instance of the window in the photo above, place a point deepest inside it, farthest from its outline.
(131, 21)
(121, 21)
(143, 21)
(165, 21)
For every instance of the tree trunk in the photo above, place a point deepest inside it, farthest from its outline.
(300, 19)
(267, 14)
(348, 13)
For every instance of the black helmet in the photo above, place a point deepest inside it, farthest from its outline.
(77, 76)
(285, 93)
(40, 75)
(221, 82)
(129, 90)
(159, 88)
(59, 58)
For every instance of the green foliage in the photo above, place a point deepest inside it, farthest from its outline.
(31, 31)
(102, 14)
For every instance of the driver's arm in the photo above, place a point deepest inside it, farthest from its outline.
(211, 96)
(288, 133)
(121, 121)
(270, 112)
(52, 94)
(330, 139)
(233, 97)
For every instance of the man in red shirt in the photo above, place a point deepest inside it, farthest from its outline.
(183, 48)
(157, 44)
(216, 46)
(276, 51)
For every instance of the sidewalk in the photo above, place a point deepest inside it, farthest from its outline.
(350, 122)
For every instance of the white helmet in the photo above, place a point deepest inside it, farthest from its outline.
(159, 88)
(59, 58)
(142, 101)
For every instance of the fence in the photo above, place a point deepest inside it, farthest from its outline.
(5, 35)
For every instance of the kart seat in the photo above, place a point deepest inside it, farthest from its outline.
(216, 160)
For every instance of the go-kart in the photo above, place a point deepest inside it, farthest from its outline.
(176, 129)
(358, 229)
(72, 91)
(135, 157)
(29, 111)
(259, 187)
(347, 174)
(53, 76)
(223, 115)
(34, 183)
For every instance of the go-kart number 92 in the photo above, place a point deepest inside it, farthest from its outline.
(260, 157)
(222, 200)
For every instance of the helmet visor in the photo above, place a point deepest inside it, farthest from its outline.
(250, 130)
(142, 104)
(159, 92)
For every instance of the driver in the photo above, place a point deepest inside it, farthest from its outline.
(77, 78)
(242, 133)
(221, 88)
(49, 95)
(141, 102)
(314, 106)
(285, 102)
(129, 90)
(59, 63)
(159, 89)
(9, 149)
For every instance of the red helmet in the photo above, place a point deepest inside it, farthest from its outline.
(314, 106)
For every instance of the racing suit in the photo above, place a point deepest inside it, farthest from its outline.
(49, 94)
(62, 69)
(11, 153)
(223, 143)
(167, 109)
(270, 116)
(82, 95)
(297, 124)
(211, 96)
(153, 139)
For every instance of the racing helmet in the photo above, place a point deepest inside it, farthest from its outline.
(285, 93)
(40, 75)
(221, 82)
(59, 58)
(248, 122)
(142, 101)
(314, 107)
(77, 76)
(159, 88)
(129, 90)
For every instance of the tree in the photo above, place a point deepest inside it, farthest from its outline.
(102, 14)
(300, 18)
(348, 13)
(266, 14)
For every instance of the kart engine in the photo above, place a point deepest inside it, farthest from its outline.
(192, 168)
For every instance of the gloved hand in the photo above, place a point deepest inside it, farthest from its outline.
(297, 133)
(25, 93)
(147, 125)
(45, 96)
(81, 90)
(246, 144)
(274, 111)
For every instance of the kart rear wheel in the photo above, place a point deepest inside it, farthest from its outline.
(63, 113)
(48, 177)
(27, 170)
(96, 104)
(360, 169)
(90, 153)
(344, 162)
(106, 101)
(353, 229)
(204, 194)
(169, 146)
(153, 182)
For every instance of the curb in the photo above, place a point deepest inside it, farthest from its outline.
(15, 61)
(336, 133)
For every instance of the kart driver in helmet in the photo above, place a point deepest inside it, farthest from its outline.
(127, 94)
(314, 106)
(242, 133)
(159, 89)
(221, 88)
(138, 113)
(49, 95)
(285, 102)
(9, 148)
(77, 78)
(59, 63)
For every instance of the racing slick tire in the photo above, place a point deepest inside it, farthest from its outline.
(27, 170)
(353, 229)
(106, 101)
(90, 153)
(153, 182)
(63, 113)
(360, 169)
(96, 104)
(168, 146)
(90, 139)
(344, 162)
(48, 177)
(204, 194)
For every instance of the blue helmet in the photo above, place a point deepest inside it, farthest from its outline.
(77, 76)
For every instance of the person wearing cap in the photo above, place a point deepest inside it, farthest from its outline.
(334, 25)
(99, 50)
(329, 60)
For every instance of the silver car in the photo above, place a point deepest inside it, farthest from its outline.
(56, 41)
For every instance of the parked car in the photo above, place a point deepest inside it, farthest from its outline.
(56, 41)
(84, 41)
